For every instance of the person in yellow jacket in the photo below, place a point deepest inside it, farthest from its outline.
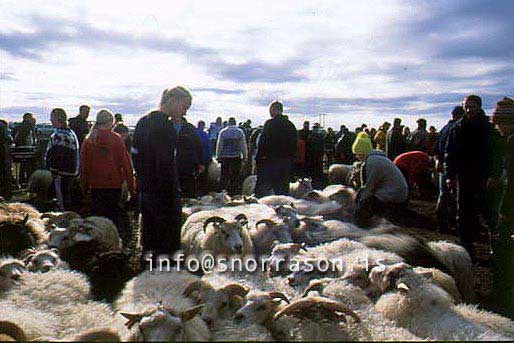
(381, 136)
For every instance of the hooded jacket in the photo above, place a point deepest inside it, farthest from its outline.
(382, 179)
(105, 162)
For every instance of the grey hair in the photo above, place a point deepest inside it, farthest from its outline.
(176, 93)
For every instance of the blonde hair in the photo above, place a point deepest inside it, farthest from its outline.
(176, 93)
(103, 117)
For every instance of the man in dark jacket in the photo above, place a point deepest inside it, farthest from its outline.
(5, 161)
(395, 142)
(447, 201)
(344, 152)
(189, 159)
(153, 150)
(503, 240)
(79, 124)
(470, 166)
(276, 153)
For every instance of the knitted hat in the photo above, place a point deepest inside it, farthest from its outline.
(362, 144)
(504, 112)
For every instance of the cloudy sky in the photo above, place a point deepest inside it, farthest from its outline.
(355, 61)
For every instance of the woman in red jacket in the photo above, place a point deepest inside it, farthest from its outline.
(104, 166)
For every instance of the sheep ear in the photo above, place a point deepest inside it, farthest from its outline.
(12, 330)
(190, 313)
(133, 319)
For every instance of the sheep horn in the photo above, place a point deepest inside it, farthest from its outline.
(190, 313)
(215, 219)
(193, 287)
(12, 330)
(242, 219)
(133, 319)
(267, 222)
(306, 307)
(279, 295)
(236, 289)
(317, 285)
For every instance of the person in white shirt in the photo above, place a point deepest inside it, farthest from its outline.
(231, 152)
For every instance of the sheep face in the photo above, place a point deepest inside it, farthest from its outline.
(217, 303)
(229, 234)
(63, 238)
(161, 324)
(12, 269)
(279, 261)
(308, 270)
(385, 277)
(260, 308)
(43, 261)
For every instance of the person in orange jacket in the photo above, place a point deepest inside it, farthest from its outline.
(105, 165)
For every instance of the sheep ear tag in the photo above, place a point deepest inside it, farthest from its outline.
(403, 287)
(133, 319)
(190, 313)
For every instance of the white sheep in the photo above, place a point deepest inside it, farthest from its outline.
(59, 219)
(223, 237)
(373, 325)
(10, 270)
(19, 209)
(266, 233)
(155, 302)
(305, 319)
(339, 173)
(300, 187)
(58, 288)
(424, 308)
(23, 323)
(249, 185)
(42, 260)
(445, 256)
(40, 183)
(214, 173)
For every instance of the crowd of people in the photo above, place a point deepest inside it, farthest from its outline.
(167, 158)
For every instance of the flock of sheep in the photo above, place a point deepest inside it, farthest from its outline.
(389, 286)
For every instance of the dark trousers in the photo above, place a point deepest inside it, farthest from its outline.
(63, 191)
(106, 203)
(273, 175)
(231, 174)
(188, 186)
(162, 220)
(471, 207)
(446, 206)
(503, 267)
(372, 206)
(203, 181)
